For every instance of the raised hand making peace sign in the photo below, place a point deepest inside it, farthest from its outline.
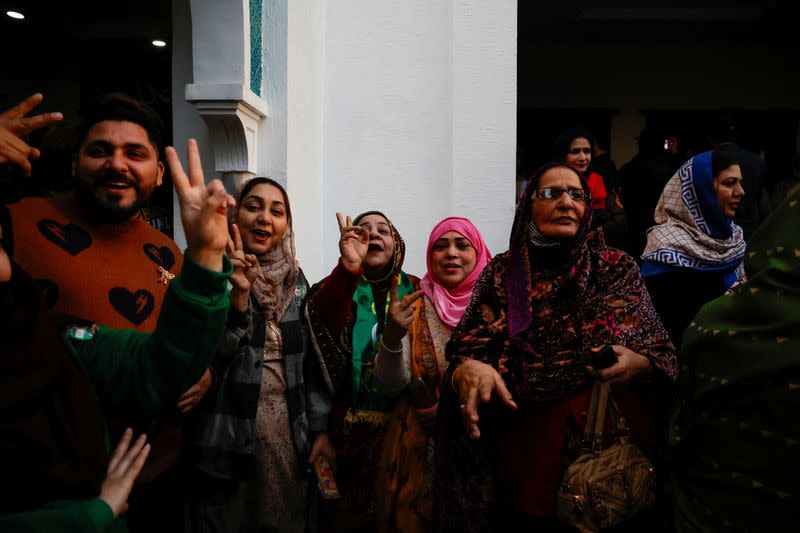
(245, 270)
(14, 124)
(401, 313)
(203, 208)
(353, 243)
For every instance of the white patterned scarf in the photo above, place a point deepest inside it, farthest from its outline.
(687, 215)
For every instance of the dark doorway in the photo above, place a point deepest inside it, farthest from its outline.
(73, 51)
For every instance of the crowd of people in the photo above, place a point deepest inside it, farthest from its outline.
(216, 390)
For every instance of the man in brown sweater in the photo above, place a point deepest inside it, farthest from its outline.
(106, 264)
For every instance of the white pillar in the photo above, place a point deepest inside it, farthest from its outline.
(305, 97)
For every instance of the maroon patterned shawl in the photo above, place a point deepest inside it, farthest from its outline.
(534, 315)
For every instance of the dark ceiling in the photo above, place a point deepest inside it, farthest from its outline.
(740, 22)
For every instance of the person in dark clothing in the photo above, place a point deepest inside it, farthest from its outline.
(755, 205)
(604, 165)
(695, 252)
(642, 181)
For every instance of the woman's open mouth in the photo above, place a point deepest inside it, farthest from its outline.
(260, 235)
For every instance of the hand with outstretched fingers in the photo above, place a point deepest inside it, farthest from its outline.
(401, 313)
(353, 243)
(123, 468)
(475, 383)
(629, 366)
(14, 124)
(203, 208)
(196, 392)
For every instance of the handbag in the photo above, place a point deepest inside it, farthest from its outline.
(604, 487)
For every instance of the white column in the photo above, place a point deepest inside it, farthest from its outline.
(485, 116)
(304, 131)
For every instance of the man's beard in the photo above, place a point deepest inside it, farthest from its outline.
(99, 209)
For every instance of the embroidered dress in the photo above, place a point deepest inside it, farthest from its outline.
(285, 484)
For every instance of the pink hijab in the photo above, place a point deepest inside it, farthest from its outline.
(451, 303)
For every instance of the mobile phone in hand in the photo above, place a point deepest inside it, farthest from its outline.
(325, 479)
(604, 358)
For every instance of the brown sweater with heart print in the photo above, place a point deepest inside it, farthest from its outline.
(103, 273)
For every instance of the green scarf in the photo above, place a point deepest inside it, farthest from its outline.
(734, 434)
(366, 338)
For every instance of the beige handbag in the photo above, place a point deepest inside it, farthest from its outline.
(605, 487)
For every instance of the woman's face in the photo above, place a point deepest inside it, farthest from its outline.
(262, 219)
(559, 218)
(452, 259)
(579, 155)
(381, 243)
(728, 186)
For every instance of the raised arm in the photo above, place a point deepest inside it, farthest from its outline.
(14, 124)
(145, 373)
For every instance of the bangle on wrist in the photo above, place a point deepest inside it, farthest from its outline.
(392, 350)
(453, 379)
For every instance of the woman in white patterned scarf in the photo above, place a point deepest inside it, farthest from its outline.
(695, 252)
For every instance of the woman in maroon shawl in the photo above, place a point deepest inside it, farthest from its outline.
(522, 353)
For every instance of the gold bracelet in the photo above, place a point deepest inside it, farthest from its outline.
(453, 379)
(398, 350)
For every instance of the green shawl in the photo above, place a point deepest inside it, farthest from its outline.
(366, 341)
(735, 432)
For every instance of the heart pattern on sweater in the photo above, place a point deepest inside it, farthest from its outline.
(162, 256)
(72, 238)
(135, 306)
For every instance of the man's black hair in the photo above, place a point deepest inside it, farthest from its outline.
(120, 106)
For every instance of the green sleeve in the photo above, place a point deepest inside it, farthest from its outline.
(144, 374)
(63, 515)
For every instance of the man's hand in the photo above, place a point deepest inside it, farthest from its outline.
(196, 392)
(14, 124)
(203, 208)
(125, 465)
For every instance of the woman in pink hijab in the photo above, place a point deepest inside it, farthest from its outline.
(410, 364)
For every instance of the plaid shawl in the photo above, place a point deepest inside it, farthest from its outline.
(221, 438)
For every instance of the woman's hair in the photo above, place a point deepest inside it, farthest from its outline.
(260, 180)
(720, 161)
(562, 142)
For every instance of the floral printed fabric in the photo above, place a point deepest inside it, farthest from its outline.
(599, 299)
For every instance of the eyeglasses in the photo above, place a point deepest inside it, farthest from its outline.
(554, 193)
